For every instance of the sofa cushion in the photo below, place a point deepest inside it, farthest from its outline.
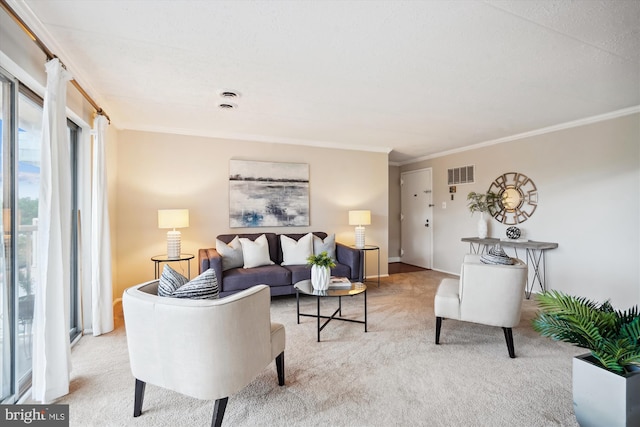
(238, 279)
(170, 280)
(296, 253)
(255, 253)
(341, 270)
(231, 253)
(327, 245)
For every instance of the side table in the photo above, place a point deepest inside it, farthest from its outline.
(159, 259)
(363, 252)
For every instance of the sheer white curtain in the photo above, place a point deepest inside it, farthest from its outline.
(51, 349)
(101, 290)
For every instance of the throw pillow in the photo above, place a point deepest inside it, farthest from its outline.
(497, 255)
(231, 253)
(255, 253)
(328, 245)
(296, 253)
(205, 286)
(170, 280)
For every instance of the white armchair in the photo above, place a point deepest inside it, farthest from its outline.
(207, 349)
(488, 294)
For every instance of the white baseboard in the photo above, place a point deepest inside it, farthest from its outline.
(394, 259)
(444, 271)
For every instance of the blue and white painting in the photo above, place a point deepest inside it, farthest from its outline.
(268, 194)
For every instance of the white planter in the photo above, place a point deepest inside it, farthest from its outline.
(482, 226)
(602, 398)
(320, 277)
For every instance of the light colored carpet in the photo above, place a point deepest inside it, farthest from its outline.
(393, 375)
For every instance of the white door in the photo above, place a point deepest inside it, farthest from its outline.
(416, 218)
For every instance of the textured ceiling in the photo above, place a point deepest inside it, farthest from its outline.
(411, 77)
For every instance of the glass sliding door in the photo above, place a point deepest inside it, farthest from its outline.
(7, 113)
(27, 192)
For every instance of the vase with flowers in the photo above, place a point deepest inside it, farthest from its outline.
(483, 203)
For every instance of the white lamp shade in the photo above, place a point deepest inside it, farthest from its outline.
(359, 217)
(173, 218)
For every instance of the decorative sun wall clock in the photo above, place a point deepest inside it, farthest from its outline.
(517, 198)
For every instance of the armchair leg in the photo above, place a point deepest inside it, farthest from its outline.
(508, 335)
(438, 326)
(139, 397)
(218, 411)
(280, 368)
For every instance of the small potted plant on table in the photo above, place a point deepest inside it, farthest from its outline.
(606, 382)
(321, 266)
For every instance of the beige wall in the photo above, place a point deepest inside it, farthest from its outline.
(588, 179)
(156, 171)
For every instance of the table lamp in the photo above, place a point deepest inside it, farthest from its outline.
(359, 218)
(173, 218)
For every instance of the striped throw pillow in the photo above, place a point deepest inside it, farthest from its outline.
(205, 286)
(170, 280)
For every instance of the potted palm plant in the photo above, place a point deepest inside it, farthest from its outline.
(483, 203)
(321, 266)
(606, 381)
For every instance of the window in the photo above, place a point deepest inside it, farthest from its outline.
(21, 131)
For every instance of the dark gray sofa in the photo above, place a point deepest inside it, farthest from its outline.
(280, 278)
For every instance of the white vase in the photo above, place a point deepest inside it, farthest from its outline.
(320, 277)
(482, 226)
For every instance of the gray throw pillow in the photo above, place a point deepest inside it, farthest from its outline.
(231, 253)
(327, 245)
(170, 280)
(205, 286)
(497, 255)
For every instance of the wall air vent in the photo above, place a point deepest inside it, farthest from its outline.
(461, 175)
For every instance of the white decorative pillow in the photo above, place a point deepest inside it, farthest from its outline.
(231, 253)
(328, 245)
(255, 253)
(296, 253)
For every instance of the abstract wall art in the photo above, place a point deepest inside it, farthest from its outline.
(268, 194)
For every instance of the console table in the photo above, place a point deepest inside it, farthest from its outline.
(534, 253)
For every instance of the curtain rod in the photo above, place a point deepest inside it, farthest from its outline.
(50, 56)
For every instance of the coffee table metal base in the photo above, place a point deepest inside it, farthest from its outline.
(334, 316)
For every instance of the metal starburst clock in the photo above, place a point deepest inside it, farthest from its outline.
(517, 198)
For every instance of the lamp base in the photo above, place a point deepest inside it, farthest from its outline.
(173, 244)
(359, 237)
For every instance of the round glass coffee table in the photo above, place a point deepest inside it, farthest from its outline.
(306, 288)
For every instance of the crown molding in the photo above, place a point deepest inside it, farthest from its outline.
(567, 125)
(254, 138)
